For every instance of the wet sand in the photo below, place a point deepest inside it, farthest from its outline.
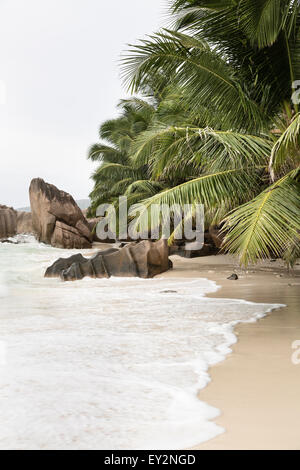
(257, 388)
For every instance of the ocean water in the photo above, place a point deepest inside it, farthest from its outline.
(107, 364)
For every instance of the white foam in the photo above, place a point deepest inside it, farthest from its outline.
(108, 364)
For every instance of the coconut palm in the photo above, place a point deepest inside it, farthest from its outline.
(115, 175)
(235, 64)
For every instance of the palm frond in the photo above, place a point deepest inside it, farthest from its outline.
(286, 147)
(222, 189)
(205, 76)
(265, 226)
(146, 187)
(262, 20)
(101, 152)
(236, 28)
(213, 149)
(114, 170)
(120, 187)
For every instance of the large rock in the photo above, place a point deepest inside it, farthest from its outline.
(93, 222)
(24, 222)
(8, 222)
(56, 218)
(145, 259)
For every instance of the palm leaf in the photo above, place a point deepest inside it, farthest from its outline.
(163, 147)
(221, 189)
(145, 187)
(262, 20)
(114, 171)
(205, 76)
(101, 152)
(265, 226)
(286, 147)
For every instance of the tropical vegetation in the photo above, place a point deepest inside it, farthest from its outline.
(214, 119)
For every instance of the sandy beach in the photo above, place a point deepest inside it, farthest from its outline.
(257, 388)
(181, 132)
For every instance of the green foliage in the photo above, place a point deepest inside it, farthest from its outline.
(286, 151)
(213, 123)
(269, 224)
(219, 192)
(115, 173)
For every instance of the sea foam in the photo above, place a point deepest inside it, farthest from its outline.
(108, 364)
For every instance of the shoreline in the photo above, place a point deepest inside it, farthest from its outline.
(257, 387)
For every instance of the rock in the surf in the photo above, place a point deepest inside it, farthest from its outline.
(145, 259)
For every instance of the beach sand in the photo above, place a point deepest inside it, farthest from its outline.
(257, 388)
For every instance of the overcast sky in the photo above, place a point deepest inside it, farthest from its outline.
(59, 79)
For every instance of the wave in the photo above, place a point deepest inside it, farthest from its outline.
(108, 363)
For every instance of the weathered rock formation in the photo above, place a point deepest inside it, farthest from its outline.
(24, 222)
(56, 218)
(8, 222)
(145, 259)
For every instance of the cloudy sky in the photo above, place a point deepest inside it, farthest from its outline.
(59, 79)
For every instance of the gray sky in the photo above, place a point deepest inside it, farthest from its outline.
(59, 79)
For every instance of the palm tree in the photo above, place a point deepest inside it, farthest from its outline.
(115, 174)
(237, 147)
